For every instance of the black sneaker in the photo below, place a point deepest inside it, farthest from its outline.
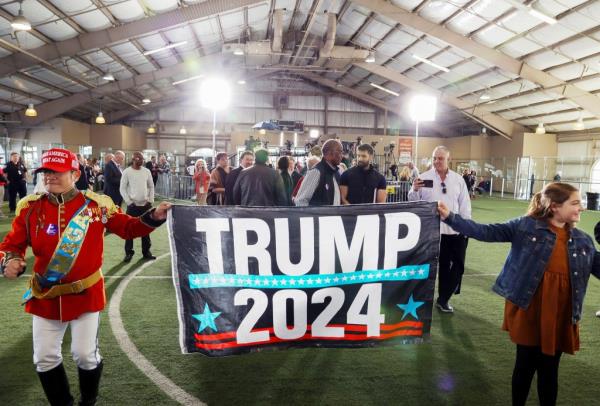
(444, 307)
(149, 255)
(128, 257)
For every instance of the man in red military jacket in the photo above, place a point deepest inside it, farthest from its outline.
(65, 229)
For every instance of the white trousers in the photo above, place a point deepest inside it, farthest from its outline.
(48, 337)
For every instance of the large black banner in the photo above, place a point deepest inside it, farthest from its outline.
(350, 276)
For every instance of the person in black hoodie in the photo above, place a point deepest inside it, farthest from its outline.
(259, 185)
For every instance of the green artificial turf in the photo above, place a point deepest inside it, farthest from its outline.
(469, 359)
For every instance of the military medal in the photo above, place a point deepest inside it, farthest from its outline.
(104, 217)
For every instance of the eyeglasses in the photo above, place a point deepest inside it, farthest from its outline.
(444, 190)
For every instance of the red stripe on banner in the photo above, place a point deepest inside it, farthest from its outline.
(347, 327)
(306, 337)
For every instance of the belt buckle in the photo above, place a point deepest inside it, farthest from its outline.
(77, 287)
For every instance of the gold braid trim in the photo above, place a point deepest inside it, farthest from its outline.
(24, 202)
(103, 201)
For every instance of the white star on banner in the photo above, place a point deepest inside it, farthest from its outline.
(379, 274)
(310, 282)
(327, 280)
(387, 275)
(283, 282)
(319, 280)
(292, 282)
(344, 278)
(274, 282)
(404, 273)
(421, 271)
(336, 279)
(412, 273)
(361, 277)
(395, 273)
(353, 278)
(370, 276)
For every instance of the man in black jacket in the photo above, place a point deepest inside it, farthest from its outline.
(259, 185)
(320, 186)
(112, 177)
(246, 161)
(15, 173)
(82, 183)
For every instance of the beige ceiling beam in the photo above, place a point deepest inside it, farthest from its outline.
(361, 96)
(54, 108)
(100, 39)
(504, 127)
(550, 83)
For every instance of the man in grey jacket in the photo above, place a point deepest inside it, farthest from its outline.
(259, 185)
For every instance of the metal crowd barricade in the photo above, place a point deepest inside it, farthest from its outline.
(175, 186)
(397, 191)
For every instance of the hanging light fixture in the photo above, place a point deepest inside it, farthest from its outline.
(579, 125)
(100, 118)
(540, 129)
(182, 130)
(370, 58)
(20, 23)
(146, 101)
(31, 111)
(151, 129)
(108, 76)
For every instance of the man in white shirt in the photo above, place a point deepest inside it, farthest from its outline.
(137, 189)
(440, 183)
(414, 172)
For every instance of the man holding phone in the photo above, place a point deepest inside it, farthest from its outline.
(442, 184)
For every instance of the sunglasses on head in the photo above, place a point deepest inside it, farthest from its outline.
(444, 190)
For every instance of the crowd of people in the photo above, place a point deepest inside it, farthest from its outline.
(544, 278)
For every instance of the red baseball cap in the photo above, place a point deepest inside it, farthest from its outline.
(59, 160)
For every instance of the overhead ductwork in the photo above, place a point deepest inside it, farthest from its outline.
(258, 53)
(337, 57)
(330, 36)
(277, 44)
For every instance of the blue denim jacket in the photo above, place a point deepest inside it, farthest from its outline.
(532, 243)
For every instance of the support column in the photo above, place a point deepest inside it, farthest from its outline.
(325, 124)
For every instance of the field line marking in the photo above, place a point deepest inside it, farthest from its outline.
(116, 323)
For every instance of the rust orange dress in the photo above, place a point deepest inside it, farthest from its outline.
(547, 321)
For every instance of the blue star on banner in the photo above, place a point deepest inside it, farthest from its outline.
(207, 318)
(410, 307)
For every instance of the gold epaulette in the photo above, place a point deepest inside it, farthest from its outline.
(24, 202)
(103, 201)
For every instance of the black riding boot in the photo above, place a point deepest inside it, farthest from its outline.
(56, 386)
(89, 380)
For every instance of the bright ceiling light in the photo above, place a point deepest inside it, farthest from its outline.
(579, 125)
(428, 62)
(151, 129)
(262, 131)
(187, 80)
(375, 85)
(484, 96)
(182, 130)
(108, 76)
(241, 82)
(239, 51)
(20, 23)
(541, 16)
(173, 45)
(215, 93)
(146, 101)
(540, 129)
(313, 133)
(370, 58)
(31, 111)
(422, 108)
(100, 118)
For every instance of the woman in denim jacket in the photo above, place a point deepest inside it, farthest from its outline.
(543, 280)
